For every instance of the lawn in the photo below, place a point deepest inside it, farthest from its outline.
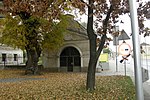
(64, 86)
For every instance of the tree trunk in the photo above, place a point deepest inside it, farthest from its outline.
(32, 61)
(92, 38)
(94, 52)
(91, 67)
(33, 49)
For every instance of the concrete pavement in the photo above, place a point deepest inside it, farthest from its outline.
(129, 71)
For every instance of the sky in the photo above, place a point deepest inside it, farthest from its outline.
(125, 26)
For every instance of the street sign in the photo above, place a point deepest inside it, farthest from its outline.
(124, 49)
(123, 36)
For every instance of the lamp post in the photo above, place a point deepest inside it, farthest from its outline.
(136, 49)
(116, 42)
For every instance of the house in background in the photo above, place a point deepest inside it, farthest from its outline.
(10, 56)
(73, 55)
(146, 48)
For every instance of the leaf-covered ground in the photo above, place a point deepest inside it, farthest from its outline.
(64, 86)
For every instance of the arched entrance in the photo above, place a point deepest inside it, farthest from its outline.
(70, 59)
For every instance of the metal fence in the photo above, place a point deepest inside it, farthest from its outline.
(12, 61)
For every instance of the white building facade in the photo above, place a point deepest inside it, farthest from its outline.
(10, 56)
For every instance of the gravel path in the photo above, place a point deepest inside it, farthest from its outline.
(19, 79)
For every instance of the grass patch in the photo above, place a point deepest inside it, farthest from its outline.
(65, 86)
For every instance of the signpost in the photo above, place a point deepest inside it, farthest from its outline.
(124, 50)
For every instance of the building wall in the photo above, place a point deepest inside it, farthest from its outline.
(146, 49)
(51, 60)
(10, 56)
(76, 40)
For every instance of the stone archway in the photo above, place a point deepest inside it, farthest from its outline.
(70, 59)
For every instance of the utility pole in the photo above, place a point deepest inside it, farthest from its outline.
(136, 50)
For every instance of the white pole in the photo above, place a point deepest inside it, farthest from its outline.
(116, 54)
(125, 67)
(136, 50)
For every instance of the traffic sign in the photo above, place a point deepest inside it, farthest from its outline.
(124, 49)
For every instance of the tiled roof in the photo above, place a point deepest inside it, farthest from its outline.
(75, 26)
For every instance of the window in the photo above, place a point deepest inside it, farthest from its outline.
(15, 57)
(3, 57)
(70, 56)
(63, 61)
(77, 61)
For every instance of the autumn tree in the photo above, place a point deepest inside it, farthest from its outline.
(33, 25)
(102, 17)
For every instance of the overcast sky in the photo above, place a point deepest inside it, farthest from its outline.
(126, 26)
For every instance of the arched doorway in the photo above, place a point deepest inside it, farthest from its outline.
(70, 59)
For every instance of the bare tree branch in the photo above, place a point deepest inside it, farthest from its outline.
(104, 37)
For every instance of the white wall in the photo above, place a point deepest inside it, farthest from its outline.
(10, 56)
